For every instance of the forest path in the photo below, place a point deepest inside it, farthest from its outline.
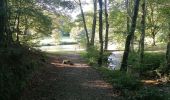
(57, 81)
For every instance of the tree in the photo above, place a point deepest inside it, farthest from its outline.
(2, 21)
(18, 20)
(142, 37)
(153, 20)
(84, 22)
(129, 37)
(168, 51)
(166, 14)
(129, 18)
(94, 22)
(118, 25)
(107, 26)
(128, 14)
(100, 33)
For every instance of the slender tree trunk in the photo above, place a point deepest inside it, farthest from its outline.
(107, 26)
(100, 33)
(153, 39)
(94, 23)
(129, 12)
(168, 55)
(26, 25)
(132, 49)
(129, 37)
(128, 16)
(142, 37)
(168, 52)
(18, 29)
(2, 22)
(84, 22)
(9, 31)
(153, 22)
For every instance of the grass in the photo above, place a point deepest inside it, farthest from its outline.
(131, 87)
(161, 47)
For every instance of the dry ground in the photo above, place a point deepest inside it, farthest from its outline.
(57, 81)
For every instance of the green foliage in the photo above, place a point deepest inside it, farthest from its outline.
(106, 54)
(147, 93)
(92, 55)
(152, 61)
(118, 28)
(30, 40)
(131, 87)
(126, 81)
(121, 80)
(16, 64)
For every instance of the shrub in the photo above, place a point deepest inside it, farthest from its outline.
(126, 81)
(152, 61)
(147, 93)
(120, 80)
(16, 64)
(106, 54)
(92, 55)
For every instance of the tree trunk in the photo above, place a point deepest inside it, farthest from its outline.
(153, 39)
(26, 26)
(129, 37)
(94, 23)
(132, 49)
(2, 22)
(84, 22)
(18, 29)
(142, 37)
(168, 56)
(100, 33)
(107, 26)
(128, 16)
(129, 12)
(168, 53)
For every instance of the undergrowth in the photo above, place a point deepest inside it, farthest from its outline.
(16, 66)
(129, 83)
(131, 87)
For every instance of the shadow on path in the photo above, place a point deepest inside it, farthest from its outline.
(57, 81)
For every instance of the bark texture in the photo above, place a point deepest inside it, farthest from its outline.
(100, 33)
(107, 26)
(2, 22)
(94, 22)
(84, 22)
(129, 37)
(142, 37)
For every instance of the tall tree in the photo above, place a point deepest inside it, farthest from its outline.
(84, 21)
(94, 22)
(128, 14)
(142, 37)
(2, 21)
(129, 37)
(107, 25)
(18, 21)
(129, 17)
(168, 51)
(100, 33)
(153, 20)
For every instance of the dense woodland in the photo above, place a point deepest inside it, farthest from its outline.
(140, 28)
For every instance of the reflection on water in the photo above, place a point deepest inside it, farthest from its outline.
(115, 60)
(73, 47)
(66, 44)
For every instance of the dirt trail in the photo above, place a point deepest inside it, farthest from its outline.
(59, 81)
